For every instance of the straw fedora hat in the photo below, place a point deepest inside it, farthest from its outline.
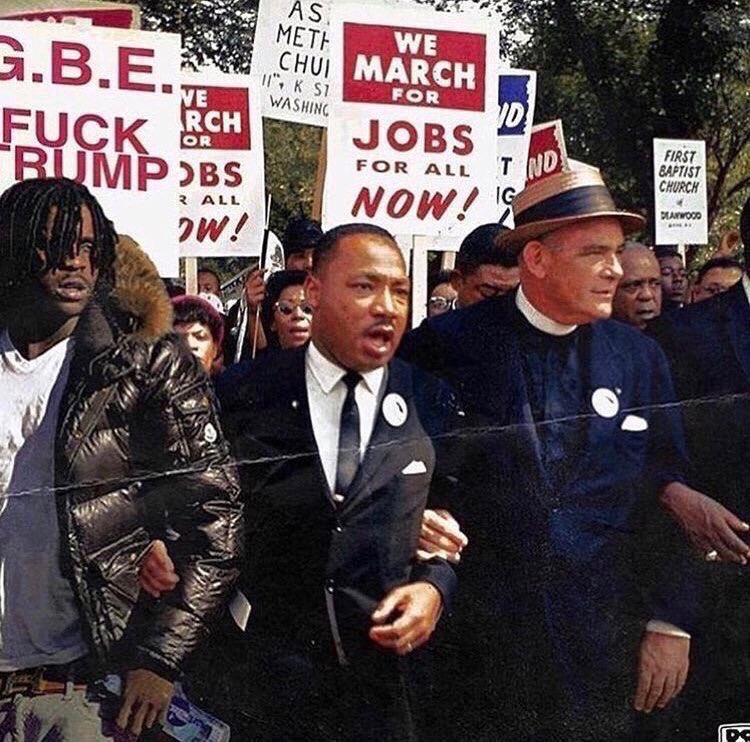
(560, 200)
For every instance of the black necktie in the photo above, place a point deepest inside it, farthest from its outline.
(348, 462)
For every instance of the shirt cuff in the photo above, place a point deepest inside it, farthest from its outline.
(663, 627)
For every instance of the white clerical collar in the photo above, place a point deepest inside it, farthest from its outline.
(328, 374)
(536, 319)
(746, 285)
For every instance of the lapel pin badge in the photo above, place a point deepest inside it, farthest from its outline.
(605, 402)
(395, 410)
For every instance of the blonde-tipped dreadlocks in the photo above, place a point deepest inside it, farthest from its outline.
(29, 244)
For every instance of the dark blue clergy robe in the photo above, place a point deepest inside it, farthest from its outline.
(574, 437)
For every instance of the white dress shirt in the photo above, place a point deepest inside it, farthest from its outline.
(326, 393)
(746, 285)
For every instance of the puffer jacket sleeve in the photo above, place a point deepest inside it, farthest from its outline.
(192, 494)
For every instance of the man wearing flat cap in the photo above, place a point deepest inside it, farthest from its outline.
(586, 623)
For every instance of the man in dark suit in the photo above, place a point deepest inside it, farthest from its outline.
(708, 345)
(337, 459)
(576, 440)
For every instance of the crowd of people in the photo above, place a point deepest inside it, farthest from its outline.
(525, 519)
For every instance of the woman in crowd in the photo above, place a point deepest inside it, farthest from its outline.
(285, 313)
(196, 319)
(442, 294)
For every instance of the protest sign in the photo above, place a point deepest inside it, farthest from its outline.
(222, 186)
(291, 57)
(413, 120)
(93, 12)
(516, 98)
(680, 207)
(547, 153)
(100, 106)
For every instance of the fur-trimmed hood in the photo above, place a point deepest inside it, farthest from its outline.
(139, 291)
(138, 306)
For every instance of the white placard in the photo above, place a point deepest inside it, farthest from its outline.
(680, 203)
(516, 98)
(222, 190)
(291, 57)
(100, 106)
(413, 120)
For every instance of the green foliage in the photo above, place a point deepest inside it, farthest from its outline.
(617, 72)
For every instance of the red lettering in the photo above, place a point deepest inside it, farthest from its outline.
(41, 130)
(127, 134)
(234, 176)
(118, 177)
(151, 168)
(81, 121)
(434, 138)
(187, 174)
(365, 201)
(410, 131)
(210, 228)
(9, 125)
(29, 157)
(126, 67)
(70, 55)
(396, 210)
(208, 174)
(374, 137)
(15, 68)
(435, 203)
(461, 133)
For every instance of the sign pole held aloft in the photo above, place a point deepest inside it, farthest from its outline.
(261, 265)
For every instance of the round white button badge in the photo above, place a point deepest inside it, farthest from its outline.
(605, 402)
(395, 410)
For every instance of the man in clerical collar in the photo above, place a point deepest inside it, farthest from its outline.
(581, 445)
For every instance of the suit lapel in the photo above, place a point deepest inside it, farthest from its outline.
(290, 426)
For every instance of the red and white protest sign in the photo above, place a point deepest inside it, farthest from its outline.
(547, 153)
(94, 12)
(413, 120)
(100, 106)
(222, 186)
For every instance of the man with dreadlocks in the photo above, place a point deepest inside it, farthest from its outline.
(108, 432)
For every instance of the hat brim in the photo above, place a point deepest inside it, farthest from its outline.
(514, 239)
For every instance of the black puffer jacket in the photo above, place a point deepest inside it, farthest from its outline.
(140, 454)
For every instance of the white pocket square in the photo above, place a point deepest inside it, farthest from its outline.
(634, 424)
(416, 467)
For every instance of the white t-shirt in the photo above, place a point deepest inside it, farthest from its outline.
(39, 620)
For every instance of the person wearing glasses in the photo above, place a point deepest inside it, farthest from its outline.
(482, 271)
(638, 297)
(285, 313)
(442, 295)
(715, 277)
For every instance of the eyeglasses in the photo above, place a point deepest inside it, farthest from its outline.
(440, 302)
(288, 307)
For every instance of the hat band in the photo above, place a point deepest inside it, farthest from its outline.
(583, 201)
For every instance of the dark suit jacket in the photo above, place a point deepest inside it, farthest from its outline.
(575, 547)
(314, 570)
(708, 346)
